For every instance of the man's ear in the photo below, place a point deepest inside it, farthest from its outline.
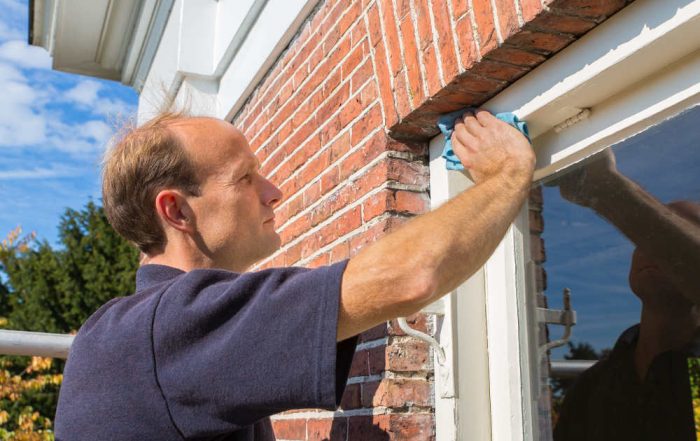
(173, 210)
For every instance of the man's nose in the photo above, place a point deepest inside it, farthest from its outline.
(271, 195)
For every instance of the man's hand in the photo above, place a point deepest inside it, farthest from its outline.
(487, 147)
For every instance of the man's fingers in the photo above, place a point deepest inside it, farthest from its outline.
(471, 123)
(484, 117)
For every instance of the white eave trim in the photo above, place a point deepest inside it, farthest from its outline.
(146, 37)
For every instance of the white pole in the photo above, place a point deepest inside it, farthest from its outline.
(35, 343)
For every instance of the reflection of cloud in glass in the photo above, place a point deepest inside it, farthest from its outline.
(589, 256)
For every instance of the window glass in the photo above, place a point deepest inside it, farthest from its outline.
(621, 232)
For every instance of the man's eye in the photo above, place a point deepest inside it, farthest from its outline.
(247, 178)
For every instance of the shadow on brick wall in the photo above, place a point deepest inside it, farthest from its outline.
(356, 428)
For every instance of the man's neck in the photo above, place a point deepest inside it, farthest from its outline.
(661, 332)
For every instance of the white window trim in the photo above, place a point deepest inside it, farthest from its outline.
(608, 71)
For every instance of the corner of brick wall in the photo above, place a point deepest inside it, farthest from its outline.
(341, 124)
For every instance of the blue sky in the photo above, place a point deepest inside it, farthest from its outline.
(53, 129)
(588, 255)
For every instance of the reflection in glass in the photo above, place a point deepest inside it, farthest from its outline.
(622, 231)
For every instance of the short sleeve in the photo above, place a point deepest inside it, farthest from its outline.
(230, 349)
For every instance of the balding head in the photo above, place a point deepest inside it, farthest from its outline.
(141, 162)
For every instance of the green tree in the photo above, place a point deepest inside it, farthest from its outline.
(54, 290)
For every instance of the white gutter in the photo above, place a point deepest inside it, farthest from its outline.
(35, 344)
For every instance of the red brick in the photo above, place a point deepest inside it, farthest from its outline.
(460, 8)
(419, 322)
(411, 427)
(499, 71)
(379, 331)
(408, 356)
(537, 251)
(530, 9)
(412, 61)
(468, 53)
(368, 428)
(507, 17)
(597, 9)
(319, 261)
(396, 393)
(516, 56)
(377, 360)
(360, 77)
(369, 122)
(351, 397)
(483, 15)
(289, 429)
(328, 429)
(448, 52)
(536, 221)
(539, 41)
(403, 104)
(385, 86)
(360, 364)
(561, 23)
(391, 37)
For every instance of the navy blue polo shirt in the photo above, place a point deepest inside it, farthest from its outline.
(205, 355)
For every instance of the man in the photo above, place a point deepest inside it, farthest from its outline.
(640, 391)
(205, 350)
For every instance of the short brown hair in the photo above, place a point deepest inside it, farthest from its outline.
(141, 162)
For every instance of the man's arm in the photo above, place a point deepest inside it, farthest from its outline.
(434, 253)
(671, 240)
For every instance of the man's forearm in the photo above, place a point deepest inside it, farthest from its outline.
(430, 255)
(672, 241)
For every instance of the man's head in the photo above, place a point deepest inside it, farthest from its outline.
(648, 281)
(188, 189)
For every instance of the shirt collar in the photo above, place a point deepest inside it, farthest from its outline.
(150, 275)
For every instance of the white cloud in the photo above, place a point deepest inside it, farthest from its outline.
(8, 32)
(85, 92)
(23, 55)
(39, 173)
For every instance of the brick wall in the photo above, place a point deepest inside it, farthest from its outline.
(341, 124)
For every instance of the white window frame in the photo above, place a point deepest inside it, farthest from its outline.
(640, 67)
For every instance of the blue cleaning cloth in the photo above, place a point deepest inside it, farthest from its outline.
(446, 123)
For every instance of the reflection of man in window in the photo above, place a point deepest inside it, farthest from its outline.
(641, 390)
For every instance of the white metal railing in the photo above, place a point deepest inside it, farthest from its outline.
(569, 368)
(40, 344)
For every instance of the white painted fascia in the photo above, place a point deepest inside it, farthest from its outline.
(635, 70)
(152, 17)
(224, 49)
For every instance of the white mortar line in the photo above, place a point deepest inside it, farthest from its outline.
(475, 29)
(519, 13)
(386, 54)
(403, 57)
(455, 40)
(436, 36)
(372, 344)
(373, 54)
(421, 62)
(496, 22)
(365, 379)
